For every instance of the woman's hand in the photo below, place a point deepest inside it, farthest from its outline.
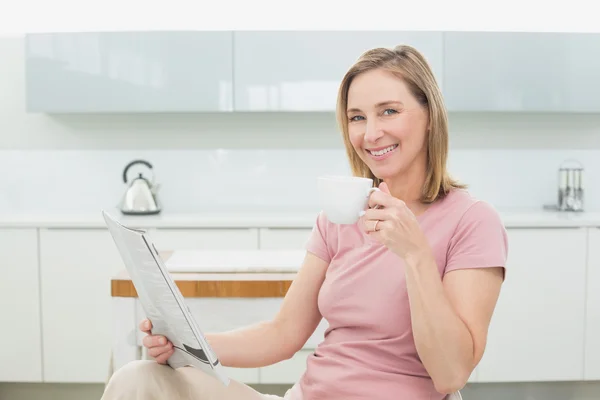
(159, 347)
(394, 225)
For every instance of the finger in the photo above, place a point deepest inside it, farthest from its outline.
(162, 359)
(383, 199)
(157, 352)
(377, 214)
(146, 326)
(157, 340)
(373, 225)
(154, 341)
(384, 187)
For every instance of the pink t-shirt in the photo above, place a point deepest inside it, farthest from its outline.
(368, 351)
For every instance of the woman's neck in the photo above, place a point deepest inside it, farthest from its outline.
(408, 187)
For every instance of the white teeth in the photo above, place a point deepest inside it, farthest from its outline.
(383, 151)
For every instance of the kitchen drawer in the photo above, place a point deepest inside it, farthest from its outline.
(283, 238)
(203, 239)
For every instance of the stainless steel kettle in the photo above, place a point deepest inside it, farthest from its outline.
(140, 198)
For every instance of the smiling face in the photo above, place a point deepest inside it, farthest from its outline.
(387, 126)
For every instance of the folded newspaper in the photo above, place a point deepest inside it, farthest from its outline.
(162, 301)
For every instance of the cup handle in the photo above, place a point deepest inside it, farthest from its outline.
(371, 190)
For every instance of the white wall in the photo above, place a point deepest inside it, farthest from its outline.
(74, 162)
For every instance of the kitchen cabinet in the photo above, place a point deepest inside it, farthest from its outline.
(521, 71)
(546, 326)
(106, 72)
(537, 331)
(301, 71)
(204, 239)
(286, 372)
(284, 238)
(76, 267)
(592, 333)
(20, 333)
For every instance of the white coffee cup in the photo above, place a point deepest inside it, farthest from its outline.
(343, 198)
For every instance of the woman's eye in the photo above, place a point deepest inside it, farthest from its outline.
(390, 111)
(356, 118)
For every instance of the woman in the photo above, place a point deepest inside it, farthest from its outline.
(408, 291)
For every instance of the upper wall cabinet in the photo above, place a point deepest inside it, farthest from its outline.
(530, 72)
(129, 72)
(301, 71)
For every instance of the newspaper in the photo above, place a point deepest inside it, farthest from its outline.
(162, 301)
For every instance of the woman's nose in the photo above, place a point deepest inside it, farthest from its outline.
(373, 132)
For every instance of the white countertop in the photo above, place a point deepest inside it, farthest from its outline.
(214, 219)
(239, 261)
(260, 219)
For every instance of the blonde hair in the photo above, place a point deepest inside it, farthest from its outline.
(408, 64)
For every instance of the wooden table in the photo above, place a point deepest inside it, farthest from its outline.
(229, 285)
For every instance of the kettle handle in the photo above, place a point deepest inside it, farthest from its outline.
(134, 162)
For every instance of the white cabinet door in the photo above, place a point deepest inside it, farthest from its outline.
(98, 72)
(286, 372)
(284, 238)
(302, 71)
(592, 334)
(76, 268)
(202, 239)
(20, 329)
(537, 332)
(512, 71)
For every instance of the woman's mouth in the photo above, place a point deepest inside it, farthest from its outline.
(381, 153)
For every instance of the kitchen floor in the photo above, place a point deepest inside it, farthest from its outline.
(488, 391)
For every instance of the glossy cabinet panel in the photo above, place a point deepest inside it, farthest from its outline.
(20, 307)
(129, 72)
(592, 322)
(537, 331)
(76, 268)
(515, 72)
(301, 71)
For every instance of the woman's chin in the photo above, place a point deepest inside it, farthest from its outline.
(384, 173)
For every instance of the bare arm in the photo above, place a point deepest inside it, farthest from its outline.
(450, 318)
(272, 341)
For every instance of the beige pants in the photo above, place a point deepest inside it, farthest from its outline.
(148, 380)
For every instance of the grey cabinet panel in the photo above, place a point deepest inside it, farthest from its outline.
(129, 72)
(301, 71)
(532, 72)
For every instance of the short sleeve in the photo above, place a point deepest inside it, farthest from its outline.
(480, 240)
(318, 242)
